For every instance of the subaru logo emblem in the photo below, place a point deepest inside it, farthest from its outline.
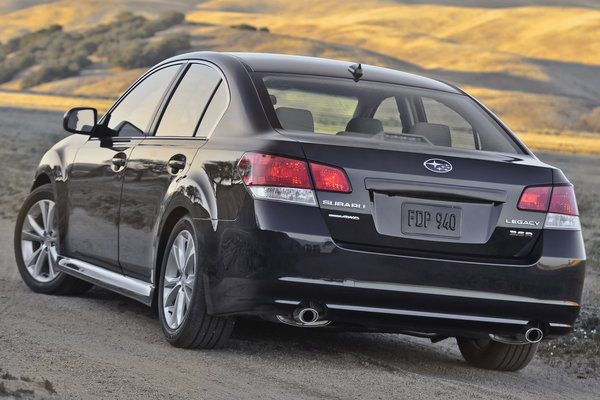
(438, 165)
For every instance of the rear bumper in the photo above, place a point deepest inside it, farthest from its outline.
(278, 256)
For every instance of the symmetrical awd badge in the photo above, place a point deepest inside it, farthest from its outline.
(438, 165)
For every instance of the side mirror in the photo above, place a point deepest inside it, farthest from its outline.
(80, 120)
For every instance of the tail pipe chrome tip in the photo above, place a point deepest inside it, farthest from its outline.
(310, 316)
(533, 335)
(306, 315)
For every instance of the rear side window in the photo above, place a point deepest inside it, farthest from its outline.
(187, 105)
(132, 116)
(383, 114)
(214, 111)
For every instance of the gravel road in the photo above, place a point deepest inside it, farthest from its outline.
(102, 345)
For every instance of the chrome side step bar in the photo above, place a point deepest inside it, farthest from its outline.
(127, 286)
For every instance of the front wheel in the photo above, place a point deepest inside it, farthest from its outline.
(489, 354)
(36, 246)
(181, 298)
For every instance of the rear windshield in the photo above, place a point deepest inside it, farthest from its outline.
(381, 112)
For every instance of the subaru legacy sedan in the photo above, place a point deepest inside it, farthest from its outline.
(315, 193)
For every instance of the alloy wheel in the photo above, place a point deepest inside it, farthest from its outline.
(179, 279)
(39, 240)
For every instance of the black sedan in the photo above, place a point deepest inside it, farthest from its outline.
(309, 192)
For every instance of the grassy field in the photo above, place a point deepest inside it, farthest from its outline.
(43, 101)
(540, 75)
(431, 36)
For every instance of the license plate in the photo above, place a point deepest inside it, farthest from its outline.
(421, 219)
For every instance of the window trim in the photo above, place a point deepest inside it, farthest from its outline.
(134, 85)
(171, 92)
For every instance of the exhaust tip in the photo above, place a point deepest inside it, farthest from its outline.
(306, 315)
(534, 335)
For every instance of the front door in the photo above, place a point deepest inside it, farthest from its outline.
(96, 175)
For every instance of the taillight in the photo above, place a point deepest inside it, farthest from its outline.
(563, 201)
(535, 198)
(270, 170)
(329, 178)
(277, 178)
(558, 201)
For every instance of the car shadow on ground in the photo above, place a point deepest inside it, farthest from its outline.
(390, 352)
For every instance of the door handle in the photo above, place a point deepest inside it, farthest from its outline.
(119, 160)
(176, 164)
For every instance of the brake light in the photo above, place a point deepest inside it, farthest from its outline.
(277, 178)
(535, 198)
(563, 201)
(329, 178)
(558, 201)
(269, 170)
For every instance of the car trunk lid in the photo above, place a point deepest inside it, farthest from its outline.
(400, 203)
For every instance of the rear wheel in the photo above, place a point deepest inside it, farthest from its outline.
(489, 354)
(181, 297)
(36, 246)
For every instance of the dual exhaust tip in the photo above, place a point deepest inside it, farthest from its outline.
(313, 316)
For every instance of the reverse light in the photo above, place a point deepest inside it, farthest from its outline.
(558, 201)
(329, 178)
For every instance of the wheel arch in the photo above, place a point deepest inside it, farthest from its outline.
(42, 178)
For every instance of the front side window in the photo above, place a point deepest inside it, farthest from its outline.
(389, 114)
(134, 113)
(188, 103)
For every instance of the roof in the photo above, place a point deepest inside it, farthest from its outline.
(282, 63)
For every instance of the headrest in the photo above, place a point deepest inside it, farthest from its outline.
(437, 134)
(364, 125)
(295, 119)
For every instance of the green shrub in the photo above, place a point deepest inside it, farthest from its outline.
(589, 122)
(135, 54)
(11, 66)
(61, 54)
(51, 72)
(264, 29)
(243, 27)
(32, 37)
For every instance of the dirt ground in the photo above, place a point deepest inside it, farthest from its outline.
(102, 345)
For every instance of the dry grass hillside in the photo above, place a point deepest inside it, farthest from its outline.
(534, 62)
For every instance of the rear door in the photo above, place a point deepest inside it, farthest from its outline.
(159, 160)
(96, 177)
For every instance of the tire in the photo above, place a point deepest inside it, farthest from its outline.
(37, 244)
(489, 354)
(181, 297)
